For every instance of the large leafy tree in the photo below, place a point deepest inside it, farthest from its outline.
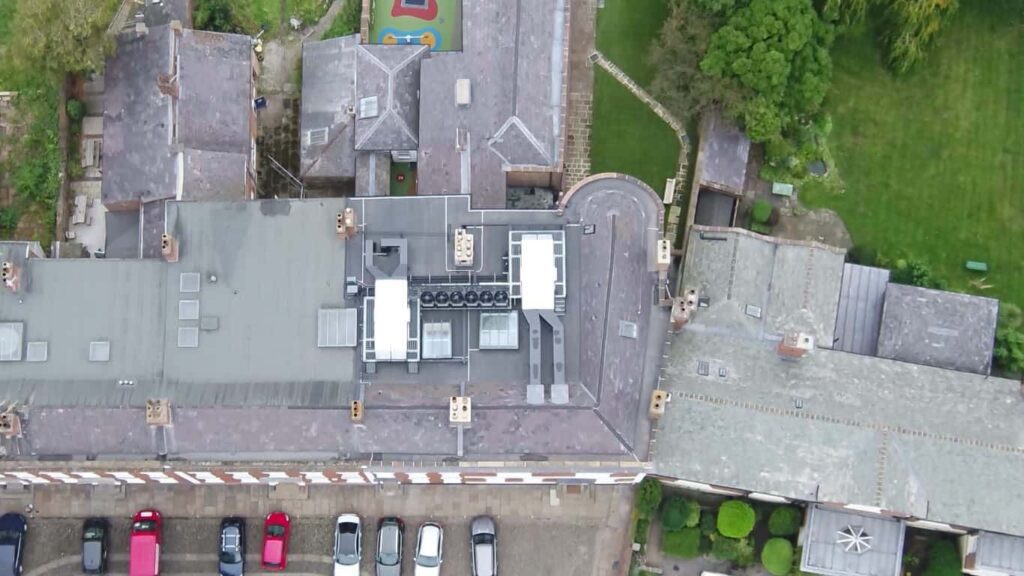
(777, 53)
(59, 36)
(908, 26)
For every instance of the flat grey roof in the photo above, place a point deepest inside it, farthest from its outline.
(999, 553)
(762, 286)
(248, 287)
(724, 151)
(844, 428)
(845, 543)
(388, 79)
(938, 328)
(328, 104)
(513, 57)
(123, 234)
(860, 309)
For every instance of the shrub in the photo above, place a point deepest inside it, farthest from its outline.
(648, 497)
(762, 211)
(735, 519)
(707, 523)
(347, 20)
(943, 559)
(682, 544)
(1009, 350)
(777, 556)
(643, 529)
(915, 273)
(785, 521)
(8, 220)
(76, 110)
(679, 513)
(725, 548)
(864, 255)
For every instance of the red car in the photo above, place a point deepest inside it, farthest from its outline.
(144, 544)
(276, 530)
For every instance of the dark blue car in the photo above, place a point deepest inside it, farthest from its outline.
(12, 543)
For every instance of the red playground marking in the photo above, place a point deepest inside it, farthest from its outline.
(422, 9)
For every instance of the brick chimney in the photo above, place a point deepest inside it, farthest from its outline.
(10, 275)
(795, 345)
(169, 248)
(682, 308)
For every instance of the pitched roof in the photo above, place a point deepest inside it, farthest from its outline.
(860, 309)
(388, 80)
(327, 139)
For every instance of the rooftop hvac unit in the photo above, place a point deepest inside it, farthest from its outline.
(461, 411)
(486, 298)
(472, 298)
(457, 299)
(441, 298)
(501, 298)
(427, 299)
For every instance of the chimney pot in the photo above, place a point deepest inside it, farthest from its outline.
(10, 276)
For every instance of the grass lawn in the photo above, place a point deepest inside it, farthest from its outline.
(933, 161)
(629, 137)
(625, 29)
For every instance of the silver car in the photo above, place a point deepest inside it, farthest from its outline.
(483, 543)
(389, 547)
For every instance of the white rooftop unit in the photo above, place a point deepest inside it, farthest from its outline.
(538, 274)
(391, 319)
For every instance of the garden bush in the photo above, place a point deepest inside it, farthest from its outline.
(762, 211)
(679, 513)
(682, 544)
(708, 523)
(785, 521)
(347, 20)
(76, 110)
(863, 255)
(648, 497)
(943, 559)
(777, 556)
(643, 529)
(735, 519)
(725, 548)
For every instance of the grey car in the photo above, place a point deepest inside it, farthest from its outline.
(389, 547)
(483, 543)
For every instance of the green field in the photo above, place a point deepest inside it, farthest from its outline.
(628, 137)
(933, 161)
(625, 29)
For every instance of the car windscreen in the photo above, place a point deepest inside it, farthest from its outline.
(389, 554)
(347, 552)
(92, 554)
(144, 526)
(9, 536)
(483, 539)
(275, 530)
(93, 533)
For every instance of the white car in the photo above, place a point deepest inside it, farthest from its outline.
(429, 544)
(348, 545)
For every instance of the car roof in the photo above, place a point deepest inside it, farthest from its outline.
(12, 520)
(273, 550)
(430, 534)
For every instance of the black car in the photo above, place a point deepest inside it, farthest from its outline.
(231, 560)
(95, 542)
(12, 543)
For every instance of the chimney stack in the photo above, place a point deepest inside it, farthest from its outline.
(169, 248)
(176, 27)
(10, 275)
(346, 224)
(682, 308)
(795, 345)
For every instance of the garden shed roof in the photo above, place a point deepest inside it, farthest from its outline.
(845, 543)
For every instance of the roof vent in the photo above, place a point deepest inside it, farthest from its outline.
(37, 351)
(463, 93)
(158, 412)
(99, 351)
(188, 337)
(317, 137)
(854, 539)
(368, 107)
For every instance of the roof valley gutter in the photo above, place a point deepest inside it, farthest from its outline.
(515, 59)
(555, 96)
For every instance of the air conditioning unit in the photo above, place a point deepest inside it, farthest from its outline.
(463, 247)
(461, 411)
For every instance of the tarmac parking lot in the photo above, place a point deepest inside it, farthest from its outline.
(539, 530)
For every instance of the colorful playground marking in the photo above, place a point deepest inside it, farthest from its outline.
(434, 23)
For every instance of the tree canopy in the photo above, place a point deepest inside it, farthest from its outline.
(778, 53)
(59, 36)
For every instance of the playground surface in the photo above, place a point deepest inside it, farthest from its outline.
(436, 23)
